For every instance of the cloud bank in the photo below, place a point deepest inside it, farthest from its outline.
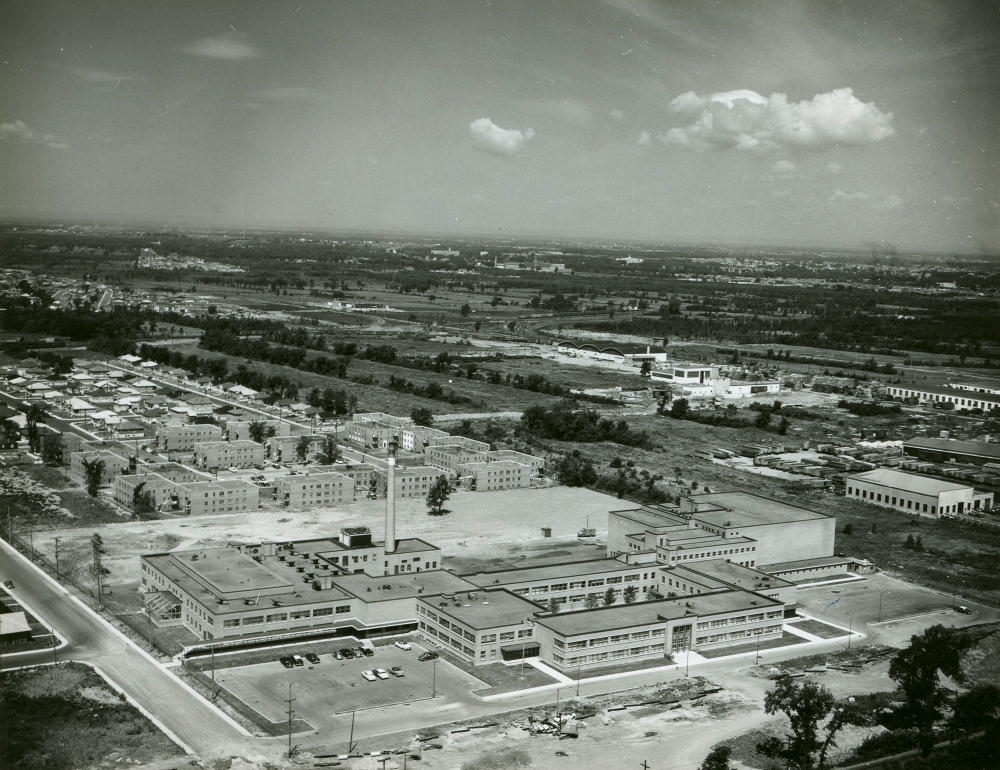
(17, 131)
(503, 142)
(221, 48)
(746, 121)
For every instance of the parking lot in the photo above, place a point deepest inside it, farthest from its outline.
(326, 691)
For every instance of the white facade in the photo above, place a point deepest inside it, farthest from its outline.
(911, 493)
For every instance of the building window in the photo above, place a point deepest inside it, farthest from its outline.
(231, 623)
(278, 617)
(253, 620)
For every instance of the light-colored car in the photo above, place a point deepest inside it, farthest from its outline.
(382, 673)
(403, 645)
(396, 671)
(368, 675)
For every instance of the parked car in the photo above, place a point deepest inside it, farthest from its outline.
(403, 645)
(347, 652)
(312, 657)
(287, 663)
(428, 656)
(337, 655)
(367, 651)
(964, 610)
(9, 585)
(368, 675)
(396, 670)
(359, 652)
(297, 660)
(382, 673)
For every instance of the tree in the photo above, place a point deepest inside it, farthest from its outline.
(143, 501)
(554, 606)
(34, 414)
(257, 431)
(421, 415)
(717, 759)
(52, 449)
(93, 472)
(806, 705)
(330, 452)
(630, 594)
(646, 369)
(848, 529)
(680, 409)
(663, 408)
(575, 470)
(438, 495)
(302, 448)
(477, 325)
(592, 601)
(10, 433)
(976, 709)
(97, 548)
(917, 670)
(610, 597)
(763, 419)
(466, 309)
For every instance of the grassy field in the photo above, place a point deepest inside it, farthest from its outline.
(66, 716)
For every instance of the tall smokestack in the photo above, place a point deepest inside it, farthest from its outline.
(390, 501)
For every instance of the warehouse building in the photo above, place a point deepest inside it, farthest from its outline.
(956, 398)
(228, 454)
(911, 493)
(941, 450)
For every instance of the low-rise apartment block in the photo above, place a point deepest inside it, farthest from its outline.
(239, 430)
(499, 474)
(182, 438)
(227, 454)
(410, 482)
(309, 490)
(450, 458)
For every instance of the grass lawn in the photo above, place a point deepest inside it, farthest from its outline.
(785, 640)
(822, 630)
(66, 716)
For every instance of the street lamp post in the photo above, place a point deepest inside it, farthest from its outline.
(434, 674)
(880, 594)
(850, 631)
(56, 540)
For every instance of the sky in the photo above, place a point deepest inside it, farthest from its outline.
(785, 123)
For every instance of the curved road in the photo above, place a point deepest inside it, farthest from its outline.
(180, 712)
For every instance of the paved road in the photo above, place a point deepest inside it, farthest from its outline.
(178, 710)
(60, 424)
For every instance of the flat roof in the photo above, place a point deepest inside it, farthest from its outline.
(229, 571)
(911, 482)
(730, 573)
(953, 392)
(414, 545)
(621, 616)
(562, 570)
(822, 561)
(971, 448)
(405, 586)
(490, 609)
(651, 518)
(747, 510)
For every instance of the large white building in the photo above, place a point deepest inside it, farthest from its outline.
(912, 493)
(309, 490)
(226, 454)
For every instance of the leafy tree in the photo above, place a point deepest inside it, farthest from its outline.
(806, 705)
(646, 369)
(10, 432)
(575, 470)
(917, 670)
(93, 472)
(592, 601)
(421, 415)
(438, 495)
(680, 409)
(52, 449)
(478, 325)
(34, 414)
(763, 419)
(610, 597)
(554, 606)
(143, 501)
(302, 448)
(97, 549)
(976, 709)
(717, 759)
(848, 529)
(258, 431)
(466, 309)
(330, 452)
(630, 594)
(653, 593)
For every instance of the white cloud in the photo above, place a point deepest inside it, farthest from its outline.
(617, 114)
(643, 139)
(784, 170)
(504, 142)
(221, 48)
(892, 203)
(833, 168)
(746, 121)
(17, 131)
(840, 195)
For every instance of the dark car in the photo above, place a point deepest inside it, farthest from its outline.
(9, 585)
(287, 663)
(963, 610)
(367, 652)
(347, 652)
(427, 656)
(312, 657)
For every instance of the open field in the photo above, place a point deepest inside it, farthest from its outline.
(66, 716)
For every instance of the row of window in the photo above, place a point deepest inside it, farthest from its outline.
(742, 634)
(739, 620)
(711, 554)
(600, 641)
(652, 649)
(876, 497)
(281, 617)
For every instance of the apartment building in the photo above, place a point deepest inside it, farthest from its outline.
(309, 490)
(175, 437)
(498, 474)
(228, 454)
(410, 482)
(536, 464)
(416, 438)
(239, 430)
(115, 463)
(450, 458)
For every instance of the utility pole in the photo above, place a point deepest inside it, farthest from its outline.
(291, 713)
(757, 661)
(31, 539)
(850, 631)
(578, 666)
(434, 674)
(645, 765)
(558, 715)
(215, 692)
(56, 539)
(350, 741)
